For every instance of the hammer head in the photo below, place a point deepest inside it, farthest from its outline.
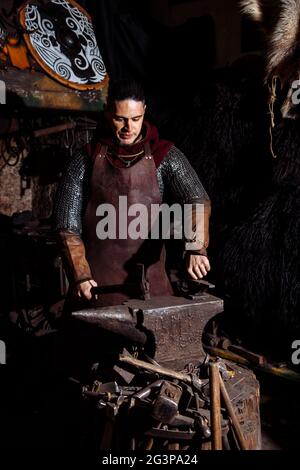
(116, 319)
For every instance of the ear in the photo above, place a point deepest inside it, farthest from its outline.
(252, 8)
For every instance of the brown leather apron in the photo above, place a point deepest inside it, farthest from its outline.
(114, 261)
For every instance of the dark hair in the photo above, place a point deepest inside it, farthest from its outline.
(125, 90)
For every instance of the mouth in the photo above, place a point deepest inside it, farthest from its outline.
(126, 136)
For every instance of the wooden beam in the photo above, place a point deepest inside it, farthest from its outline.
(36, 90)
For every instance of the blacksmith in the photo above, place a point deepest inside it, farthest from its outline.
(127, 159)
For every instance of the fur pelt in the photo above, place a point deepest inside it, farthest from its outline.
(260, 261)
(287, 147)
(281, 22)
(255, 227)
(224, 134)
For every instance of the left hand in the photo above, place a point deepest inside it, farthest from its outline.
(197, 266)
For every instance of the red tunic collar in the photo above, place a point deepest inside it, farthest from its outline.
(159, 147)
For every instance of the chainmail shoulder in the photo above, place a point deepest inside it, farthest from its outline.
(72, 194)
(178, 180)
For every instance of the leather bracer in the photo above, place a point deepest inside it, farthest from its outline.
(200, 228)
(72, 251)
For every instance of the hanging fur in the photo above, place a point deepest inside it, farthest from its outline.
(280, 20)
(254, 249)
(252, 8)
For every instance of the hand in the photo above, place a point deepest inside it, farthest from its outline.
(197, 266)
(83, 289)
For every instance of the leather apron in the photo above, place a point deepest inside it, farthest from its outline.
(114, 261)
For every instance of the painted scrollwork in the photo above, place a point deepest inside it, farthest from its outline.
(62, 37)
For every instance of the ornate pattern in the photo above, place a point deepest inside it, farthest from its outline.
(63, 37)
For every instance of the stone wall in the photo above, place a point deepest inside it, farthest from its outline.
(11, 198)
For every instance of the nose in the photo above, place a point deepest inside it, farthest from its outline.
(128, 125)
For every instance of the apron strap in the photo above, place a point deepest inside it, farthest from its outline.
(147, 149)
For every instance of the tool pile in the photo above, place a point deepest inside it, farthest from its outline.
(149, 407)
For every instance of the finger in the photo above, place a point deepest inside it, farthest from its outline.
(206, 263)
(203, 270)
(195, 269)
(86, 292)
(93, 283)
(77, 291)
(198, 272)
(191, 273)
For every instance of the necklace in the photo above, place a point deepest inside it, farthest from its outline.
(124, 158)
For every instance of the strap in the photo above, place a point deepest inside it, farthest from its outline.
(147, 149)
(201, 252)
(99, 149)
(102, 152)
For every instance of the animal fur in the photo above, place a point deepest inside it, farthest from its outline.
(255, 248)
(223, 134)
(280, 20)
(261, 267)
(252, 8)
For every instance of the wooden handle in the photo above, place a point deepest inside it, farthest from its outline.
(157, 369)
(215, 406)
(231, 412)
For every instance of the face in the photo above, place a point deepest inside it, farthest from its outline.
(126, 119)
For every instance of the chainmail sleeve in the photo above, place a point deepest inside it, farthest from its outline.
(178, 180)
(72, 194)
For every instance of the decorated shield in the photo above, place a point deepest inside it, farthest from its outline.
(61, 38)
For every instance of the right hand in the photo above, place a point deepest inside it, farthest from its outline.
(83, 289)
(197, 266)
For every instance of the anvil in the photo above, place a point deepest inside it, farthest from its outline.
(169, 328)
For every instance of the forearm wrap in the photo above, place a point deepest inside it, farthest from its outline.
(200, 227)
(72, 251)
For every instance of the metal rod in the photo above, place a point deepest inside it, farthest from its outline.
(231, 412)
(215, 406)
(54, 129)
(283, 372)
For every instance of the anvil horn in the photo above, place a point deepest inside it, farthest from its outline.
(117, 320)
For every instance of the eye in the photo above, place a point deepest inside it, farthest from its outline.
(136, 119)
(118, 119)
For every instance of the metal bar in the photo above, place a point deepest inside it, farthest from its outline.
(283, 372)
(54, 129)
